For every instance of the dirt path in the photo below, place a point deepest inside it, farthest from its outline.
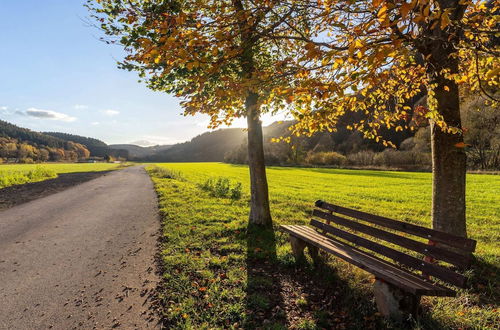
(23, 193)
(81, 258)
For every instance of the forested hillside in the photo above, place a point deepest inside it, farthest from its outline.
(206, 147)
(24, 134)
(26, 146)
(96, 147)
(139, 152)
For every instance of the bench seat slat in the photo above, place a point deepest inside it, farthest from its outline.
(390, 273)
(464, 244)
(432, 251)
(428, 268)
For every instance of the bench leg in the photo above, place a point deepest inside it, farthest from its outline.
(393, 302)
(298, 247)
(314, 253)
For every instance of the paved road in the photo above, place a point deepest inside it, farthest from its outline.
(81, 258)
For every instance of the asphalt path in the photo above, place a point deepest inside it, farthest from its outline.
(82, 258)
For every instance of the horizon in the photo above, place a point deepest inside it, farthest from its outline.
(62, 78)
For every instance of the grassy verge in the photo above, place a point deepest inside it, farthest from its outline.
(221, 274)
(26, 173)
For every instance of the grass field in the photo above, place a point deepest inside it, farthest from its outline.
(219, 273)
(13, 174)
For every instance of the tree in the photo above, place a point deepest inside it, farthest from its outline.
(375, 57)
(219, 56)
(482, 125)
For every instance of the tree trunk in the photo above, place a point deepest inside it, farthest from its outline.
(260, 213)
(448, 170)
(448, 154)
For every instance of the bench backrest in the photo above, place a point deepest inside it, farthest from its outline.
(376, 226)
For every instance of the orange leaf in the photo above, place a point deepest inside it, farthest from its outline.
(405, 9)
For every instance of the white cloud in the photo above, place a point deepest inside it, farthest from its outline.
(110, 112)
(4, 108)
(95, 123)
(47, 114)
(80, 106)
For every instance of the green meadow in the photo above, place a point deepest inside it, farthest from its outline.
(13, 174)
(220, 273)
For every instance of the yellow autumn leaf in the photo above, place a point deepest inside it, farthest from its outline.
(445, 20)
(382, 13)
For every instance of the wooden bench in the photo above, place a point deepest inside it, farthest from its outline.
(398, 284)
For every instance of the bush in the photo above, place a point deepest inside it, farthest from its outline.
(26, 160)
(326, 158)
(362, 158)
(395, 158)
(236, 192)
(221, 188)
(165, 173)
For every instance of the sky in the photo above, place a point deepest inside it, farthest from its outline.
(55, 75)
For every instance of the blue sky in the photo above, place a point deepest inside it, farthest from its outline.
(57, 76)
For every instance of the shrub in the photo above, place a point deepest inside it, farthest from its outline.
(395, 158)
(165, 173)
(326, 158)
(362, 158)
(236, 192)
(26, 160)
(221, 188)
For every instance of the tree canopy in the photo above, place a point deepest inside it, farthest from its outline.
(318, 60)
(376, 56)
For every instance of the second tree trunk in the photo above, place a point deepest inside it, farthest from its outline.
(260, 213)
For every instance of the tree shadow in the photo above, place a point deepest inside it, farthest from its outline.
(263, 289)
(283, 294)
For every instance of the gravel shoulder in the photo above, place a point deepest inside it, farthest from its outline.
(82, 258)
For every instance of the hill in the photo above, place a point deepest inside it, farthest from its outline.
(138, 152)
(27, 135)
(229, 144)
(206, 147)
(96, 147)
(19, 144)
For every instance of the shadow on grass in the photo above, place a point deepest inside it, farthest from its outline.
(485, 282)
(283, 294)
(263, 291)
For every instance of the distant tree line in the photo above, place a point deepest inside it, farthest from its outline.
(96, 147)
(346, 148)
(24, 152)
(23, 145)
